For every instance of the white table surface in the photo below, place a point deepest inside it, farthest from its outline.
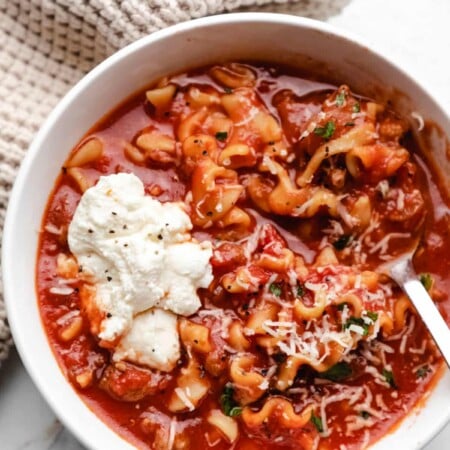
(415, 33)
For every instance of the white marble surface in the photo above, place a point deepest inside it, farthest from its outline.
(416, 33)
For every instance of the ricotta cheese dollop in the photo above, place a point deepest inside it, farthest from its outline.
(145, 266)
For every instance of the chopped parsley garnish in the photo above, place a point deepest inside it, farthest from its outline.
(300, 290)
(365, 414)
(358, 321)
(389, 377)
(373, 316)
(227, 403)
(228, 90)
(221, 136)
(326, 131)
(423, 371)
(338, 372)
(356, 108)
(342, 242)
(236, 411)
(317, 422)
(427, 280)
(275, 289)
(340, 98)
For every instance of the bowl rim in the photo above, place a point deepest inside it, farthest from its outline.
(33, 150)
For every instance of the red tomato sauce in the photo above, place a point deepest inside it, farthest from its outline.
(292, 99)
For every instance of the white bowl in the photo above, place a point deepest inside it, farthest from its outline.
(270, 37)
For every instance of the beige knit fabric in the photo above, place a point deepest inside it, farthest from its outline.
(46, 46)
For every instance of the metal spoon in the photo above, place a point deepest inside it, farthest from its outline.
(401, 270)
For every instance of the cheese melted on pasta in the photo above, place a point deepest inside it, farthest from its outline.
(304, 189)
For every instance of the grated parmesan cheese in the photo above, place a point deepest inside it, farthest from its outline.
(400, 200)
(53, 229)
(184, 398)
(70, 315)
(172, 429)
(210, 442)
(382, 245)
(61, 290)
(419, 119)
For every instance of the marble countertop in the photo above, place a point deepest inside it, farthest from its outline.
(416, 34)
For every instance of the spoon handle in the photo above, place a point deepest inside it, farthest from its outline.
(404, 274)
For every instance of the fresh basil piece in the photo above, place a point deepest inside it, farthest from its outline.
(317, 422)
(427, 280)
(275, 289)
(326, 131)
(227, 402)
(342, 242)
(338, 372)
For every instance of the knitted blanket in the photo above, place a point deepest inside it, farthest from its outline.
(46, 46)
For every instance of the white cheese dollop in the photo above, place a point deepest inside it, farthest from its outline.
(152, 341)
(140, 255)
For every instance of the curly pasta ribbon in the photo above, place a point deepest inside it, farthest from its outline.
(280, 408)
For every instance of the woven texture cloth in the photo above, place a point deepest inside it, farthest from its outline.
(46, 46)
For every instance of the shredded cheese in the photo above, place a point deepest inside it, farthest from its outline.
(53, 229)
(61, 290)
(419, 119)
(184, 398)
(172, 430)
(383, 244)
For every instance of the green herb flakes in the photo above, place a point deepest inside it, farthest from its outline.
(340, 98)
(423, 371)
(338, 372)
(317, 422)
(342, 242)
(356, 108)
(235, 412)
(326, 131)
(227, 403)
(358, 321)
(389, 377)
(275, 289)
(300, 290)
(427, 280)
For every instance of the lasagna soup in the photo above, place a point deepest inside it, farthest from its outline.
(209, 264)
